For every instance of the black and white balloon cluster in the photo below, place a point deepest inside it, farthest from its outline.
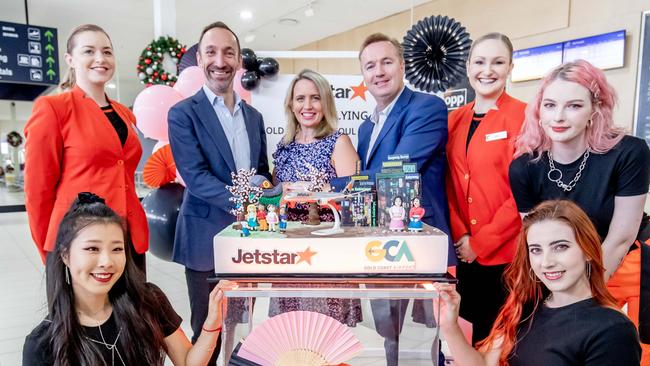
(256, 68)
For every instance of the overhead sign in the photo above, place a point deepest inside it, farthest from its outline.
(29, 60)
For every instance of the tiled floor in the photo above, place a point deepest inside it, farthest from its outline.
(22, 300)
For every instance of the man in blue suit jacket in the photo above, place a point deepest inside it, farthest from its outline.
(212, 134)
(404, 122)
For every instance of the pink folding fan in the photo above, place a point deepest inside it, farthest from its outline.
(302, 338)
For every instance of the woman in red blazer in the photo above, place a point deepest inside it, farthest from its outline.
(483, 214)
(80, 140)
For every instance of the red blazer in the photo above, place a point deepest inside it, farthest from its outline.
(72, 147)
(480, 201)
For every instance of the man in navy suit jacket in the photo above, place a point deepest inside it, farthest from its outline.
(212, 134)
(404, 122)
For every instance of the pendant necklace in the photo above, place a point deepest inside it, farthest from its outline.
(558, 173)
(111, 347)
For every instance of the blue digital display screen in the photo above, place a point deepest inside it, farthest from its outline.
(28, 54)
(606, 51)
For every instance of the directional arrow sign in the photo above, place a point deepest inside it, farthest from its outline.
(49, 60)
(50, 73)
(48, 34)
(49, 48)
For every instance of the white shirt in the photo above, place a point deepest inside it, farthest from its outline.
(233, 126)
(379, 118)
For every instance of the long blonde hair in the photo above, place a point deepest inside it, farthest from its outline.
(69, 80)
(330, 120)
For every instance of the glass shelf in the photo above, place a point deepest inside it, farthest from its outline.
(362, 305)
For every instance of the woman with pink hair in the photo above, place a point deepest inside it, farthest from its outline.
(569, 148)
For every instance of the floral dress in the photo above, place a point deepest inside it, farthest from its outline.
(292, 161)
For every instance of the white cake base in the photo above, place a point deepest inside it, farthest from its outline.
(356, 251)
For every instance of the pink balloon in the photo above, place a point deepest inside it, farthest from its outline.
(151, 107)
(190, 81)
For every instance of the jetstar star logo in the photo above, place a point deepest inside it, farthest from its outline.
(274, 257)
(344, 93)
(359, 91)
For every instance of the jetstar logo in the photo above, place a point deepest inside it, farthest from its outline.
(274, 257)
(344, 93)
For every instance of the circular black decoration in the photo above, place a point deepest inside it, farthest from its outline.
(161, 207)
(189, 58)
(250, 59)
(250, 80)
(14, 139)
(435, 53)
(269, 67)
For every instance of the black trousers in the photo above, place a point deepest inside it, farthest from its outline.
(482, 294)
(199, 290)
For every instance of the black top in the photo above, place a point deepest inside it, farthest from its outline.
(37, 348)
(583, 333)
(117, 122)
(622, 171)
(476, 119)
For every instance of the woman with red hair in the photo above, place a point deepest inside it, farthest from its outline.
(570, 148)
(558, 310)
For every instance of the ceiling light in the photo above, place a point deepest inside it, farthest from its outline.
(246, 14)
(249, 38)
(288, 21)
(309, 12)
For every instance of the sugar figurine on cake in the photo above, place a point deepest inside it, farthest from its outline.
(251, 216)
(245, 231)
(271, 217)
(415, 216)
(261, 218)
(397, 215)
(284, 218)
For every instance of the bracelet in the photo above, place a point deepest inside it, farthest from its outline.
(218, 329)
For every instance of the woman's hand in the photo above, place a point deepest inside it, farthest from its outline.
(464, 251)
(449, 304)
(214, 319)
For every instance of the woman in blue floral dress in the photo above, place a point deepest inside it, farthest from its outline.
(312, 141)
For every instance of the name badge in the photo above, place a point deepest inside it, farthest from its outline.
(496, 136)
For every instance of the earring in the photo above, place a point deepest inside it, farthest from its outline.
(532, 276)
(67, 275)
(590, 122)
(588, 270)
(539, 123)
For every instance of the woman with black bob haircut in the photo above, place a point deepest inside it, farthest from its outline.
(101, 310)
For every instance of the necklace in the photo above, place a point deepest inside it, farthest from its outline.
(110, 347)
(558, 172)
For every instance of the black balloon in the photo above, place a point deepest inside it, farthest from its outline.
(188, 59)
(249, 58)
(161, 207)
(269, 67)
(250, 80)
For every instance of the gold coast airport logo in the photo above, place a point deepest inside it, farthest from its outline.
(389, 256)
(273, 257)
(391, 250)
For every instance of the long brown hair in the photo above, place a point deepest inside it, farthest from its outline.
(69, 80)
(525, 290)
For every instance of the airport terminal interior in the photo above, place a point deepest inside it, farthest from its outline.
(284, 37)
